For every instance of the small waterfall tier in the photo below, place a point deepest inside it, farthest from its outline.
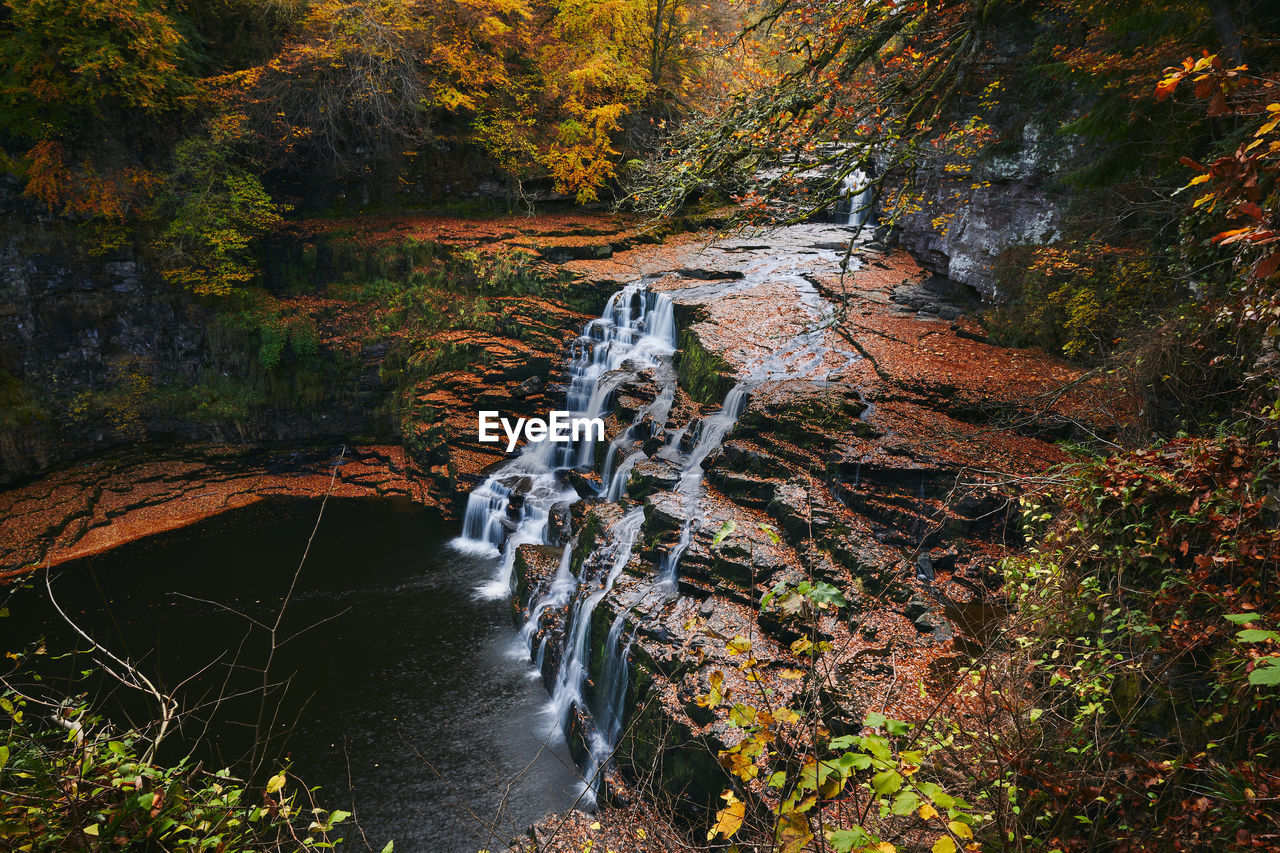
(512, 507)
(855, 198)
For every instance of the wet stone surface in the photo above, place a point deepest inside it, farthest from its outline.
(788, 421)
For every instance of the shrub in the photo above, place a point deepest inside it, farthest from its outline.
(1125, 703)
(74, 782)
(1085, 301)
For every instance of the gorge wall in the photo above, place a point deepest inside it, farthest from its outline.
(961, 212)
(97, 351)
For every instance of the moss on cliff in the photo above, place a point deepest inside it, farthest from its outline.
(703, 374)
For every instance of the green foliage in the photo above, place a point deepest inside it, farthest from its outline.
(1084, 301)
(1264, 670)
(83, 785)
(66, 62)
(217, 398)
(215, 208)
(852, 787)
(1136, 699)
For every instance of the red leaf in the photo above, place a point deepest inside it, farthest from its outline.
(1250, 209)
(1166, 87)
(1267, 266)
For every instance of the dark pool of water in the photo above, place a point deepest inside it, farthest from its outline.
(407, 703)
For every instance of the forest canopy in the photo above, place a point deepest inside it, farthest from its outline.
(197, 115)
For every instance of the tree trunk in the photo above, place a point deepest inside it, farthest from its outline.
(1228, 31)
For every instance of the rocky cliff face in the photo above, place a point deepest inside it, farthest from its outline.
(98, 351)
(70, 322)
(965, 211)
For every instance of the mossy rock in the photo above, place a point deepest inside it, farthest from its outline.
(704, 375)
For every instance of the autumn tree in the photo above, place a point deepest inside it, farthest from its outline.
(882, 84)
(73, 74)
(214, 207)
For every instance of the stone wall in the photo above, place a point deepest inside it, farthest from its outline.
(972, 209)
(67, 320)
(88, 339)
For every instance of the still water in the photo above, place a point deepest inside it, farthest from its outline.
(405, 700)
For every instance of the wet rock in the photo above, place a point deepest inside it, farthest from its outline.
(931, 623)
(710, 275)
(560, 254)
(535, 566)
(652, 475)
(1013, 204)
(745, 458)
(744, 565)
(937, 296)
(632, 394)
(585, 483)
(528, 387)
(663, 513)
(804, 414)
(560, 523)
(746, 490)
(943, 560)
(703, 373)
(924, 568)
(916, 608)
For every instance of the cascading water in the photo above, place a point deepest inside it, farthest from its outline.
(711, 434)
(607, 711)
(512, 506)
(636, 332)
(572, 674)
(855, 197)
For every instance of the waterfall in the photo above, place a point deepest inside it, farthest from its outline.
(711, 435)
(637, 327)
(562, 587)
(635, 332)
(855, 198)
(613, 482)
(611, 697)
(572, 674)
(617, 484)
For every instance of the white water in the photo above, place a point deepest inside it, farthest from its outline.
(608, 714)
(574, 667)
(589, 682)
(511, 508)
(855, 195)
(636, 329)
(711, 435)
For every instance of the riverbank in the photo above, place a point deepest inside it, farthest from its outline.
(880, 447)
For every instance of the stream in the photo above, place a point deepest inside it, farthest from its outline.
(408, 703)
(410, 700)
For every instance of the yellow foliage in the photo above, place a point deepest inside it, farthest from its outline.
(728, 819)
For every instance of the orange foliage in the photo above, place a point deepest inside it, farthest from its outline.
(1241, 184)
(82, 190)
